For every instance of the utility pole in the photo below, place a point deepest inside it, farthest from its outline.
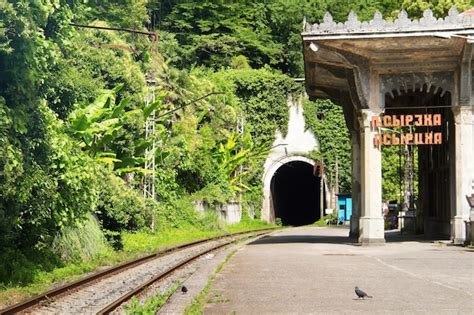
(337, 175)
(409, 178)
(240, 131)
(150, 159)
(335, 188)
(321, 195)
(150, 132)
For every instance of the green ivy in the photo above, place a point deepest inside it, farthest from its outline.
(326, 120)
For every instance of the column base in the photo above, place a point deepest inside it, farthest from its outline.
(354, 227)
(459, 233)
(469, 233)
(371, 231)
(408, 219)
(372, 241)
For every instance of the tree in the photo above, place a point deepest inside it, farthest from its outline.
(440, 8)
(45, 182)
(211, 33)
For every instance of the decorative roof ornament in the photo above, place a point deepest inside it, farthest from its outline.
(353, 22)
(452, 15)
(403, 23)
(432, 82)
(378, 23)
(428, 19)
(328, 23)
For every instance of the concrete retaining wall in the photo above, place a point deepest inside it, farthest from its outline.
(229, 212)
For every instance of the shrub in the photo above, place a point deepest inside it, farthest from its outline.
(119, 208)
(81, 243)
(20, 266)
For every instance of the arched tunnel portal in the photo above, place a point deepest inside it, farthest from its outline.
(296, 194)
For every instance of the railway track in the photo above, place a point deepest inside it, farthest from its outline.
(105, 291)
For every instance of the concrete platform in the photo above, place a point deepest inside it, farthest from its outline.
(314, 270)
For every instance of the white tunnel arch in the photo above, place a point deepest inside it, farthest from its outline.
(268, 211)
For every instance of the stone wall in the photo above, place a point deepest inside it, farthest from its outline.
(230, 212)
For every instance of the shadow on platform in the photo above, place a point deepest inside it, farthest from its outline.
(395, 236)
(307, 239)
(392, 236)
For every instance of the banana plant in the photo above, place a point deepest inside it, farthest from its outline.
(232, 156)
(98, 125)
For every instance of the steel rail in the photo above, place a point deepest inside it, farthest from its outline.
(124, 298)
(35, 300)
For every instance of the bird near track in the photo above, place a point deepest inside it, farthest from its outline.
(184, 289)
(361, 294)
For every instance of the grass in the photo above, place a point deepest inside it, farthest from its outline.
(322, 222)
(199, 302)
(135, 245)
(151, 305)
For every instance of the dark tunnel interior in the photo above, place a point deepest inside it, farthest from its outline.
(296, 194)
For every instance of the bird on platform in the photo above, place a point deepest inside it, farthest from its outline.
(361, 294)
(184, 289)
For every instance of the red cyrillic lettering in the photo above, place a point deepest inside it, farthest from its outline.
(428, 120)
(375, 122)
(419, 120)
(395, 140)
(428, 138)
(407, 138)
(395, 121)
(377, 139)
(418, 138)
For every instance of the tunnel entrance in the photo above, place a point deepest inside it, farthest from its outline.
(296, 194)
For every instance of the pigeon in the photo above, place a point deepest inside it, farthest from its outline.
(184, 289)
(361, 294)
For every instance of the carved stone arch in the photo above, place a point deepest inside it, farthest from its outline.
(432, 82)
(267, 209)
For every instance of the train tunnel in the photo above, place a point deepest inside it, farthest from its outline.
(296, 194)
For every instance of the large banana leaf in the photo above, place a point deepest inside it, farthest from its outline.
(98, 125)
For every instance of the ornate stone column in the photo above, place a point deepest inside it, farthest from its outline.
(463, 168)
(371, 224)
(354, 227)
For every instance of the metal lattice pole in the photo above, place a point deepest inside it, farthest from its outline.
(150, 159)
(240, 131)
(409, 179)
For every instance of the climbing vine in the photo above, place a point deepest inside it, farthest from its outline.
(263, 96)
(326, 120)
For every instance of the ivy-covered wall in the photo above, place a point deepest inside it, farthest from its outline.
(326, 120)
(260, 98)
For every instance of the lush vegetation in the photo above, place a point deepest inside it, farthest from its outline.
(267, 33)
(151, 304)
(73, 111)
(327, 122)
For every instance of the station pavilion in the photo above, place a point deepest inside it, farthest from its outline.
(402, 82)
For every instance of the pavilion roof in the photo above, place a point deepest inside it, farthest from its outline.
(460, 24)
